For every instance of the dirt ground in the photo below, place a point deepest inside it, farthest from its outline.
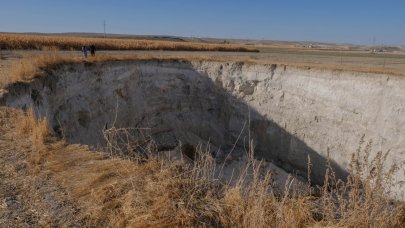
(27, 198)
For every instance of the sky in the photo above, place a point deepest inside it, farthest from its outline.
(338, 21)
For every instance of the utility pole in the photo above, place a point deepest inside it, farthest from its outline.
(104, 24)
(373, 48)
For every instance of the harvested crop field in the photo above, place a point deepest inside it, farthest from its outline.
(37, 42)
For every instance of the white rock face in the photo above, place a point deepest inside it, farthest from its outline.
(289, 113)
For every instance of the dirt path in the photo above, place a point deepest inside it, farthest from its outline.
(28, 198)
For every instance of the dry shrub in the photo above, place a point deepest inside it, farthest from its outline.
(253, 202)
(363, 199)
(129, 143)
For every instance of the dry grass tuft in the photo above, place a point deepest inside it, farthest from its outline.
(362, 200)
(38, 131)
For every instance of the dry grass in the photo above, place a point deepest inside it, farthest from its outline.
(41, 42)
(38, 130)
(36, 65)
(115, 192)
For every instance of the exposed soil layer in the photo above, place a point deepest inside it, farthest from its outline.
(289, 113)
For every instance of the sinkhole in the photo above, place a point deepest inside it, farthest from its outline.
(288, 114)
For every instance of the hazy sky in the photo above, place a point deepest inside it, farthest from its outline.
(344, 21)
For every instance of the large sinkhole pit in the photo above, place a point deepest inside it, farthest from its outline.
(291, 114)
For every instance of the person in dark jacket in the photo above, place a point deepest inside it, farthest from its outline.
(93, 50)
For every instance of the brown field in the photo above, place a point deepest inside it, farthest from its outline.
(41, 42)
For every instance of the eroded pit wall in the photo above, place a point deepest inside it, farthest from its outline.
(292, 113)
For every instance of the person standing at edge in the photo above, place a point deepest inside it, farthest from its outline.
(93, 50)
(84, 50)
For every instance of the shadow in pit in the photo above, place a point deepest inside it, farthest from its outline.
(202, 97)
(271, 141)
